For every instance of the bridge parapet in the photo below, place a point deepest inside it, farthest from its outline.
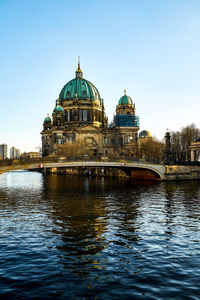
(126, 166)
(163, 172)
(47, 159)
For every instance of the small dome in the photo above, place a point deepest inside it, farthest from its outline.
(58, 108)
(47, 119)
(144, 134)
(125, 99)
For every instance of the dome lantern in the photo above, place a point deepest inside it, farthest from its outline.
(79, 73)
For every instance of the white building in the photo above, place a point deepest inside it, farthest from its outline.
(14, 152)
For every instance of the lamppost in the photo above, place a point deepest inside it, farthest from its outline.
(168, 152)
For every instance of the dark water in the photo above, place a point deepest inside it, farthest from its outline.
(81, 238)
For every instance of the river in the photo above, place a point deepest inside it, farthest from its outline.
(68, 237)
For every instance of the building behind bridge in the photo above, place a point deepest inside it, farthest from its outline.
(14, 153)
(3, 151)
(79, 118)
(195, 150)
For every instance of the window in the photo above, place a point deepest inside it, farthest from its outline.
(89, 115)
(80, 115)
(195, 155)
(72, 115)
(125, 140)
(84, 115)
(68, 115)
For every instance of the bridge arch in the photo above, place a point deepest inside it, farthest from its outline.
(140, 172)
(132, 169)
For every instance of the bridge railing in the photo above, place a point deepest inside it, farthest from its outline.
(39, 160)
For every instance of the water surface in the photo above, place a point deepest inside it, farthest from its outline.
(65, 237)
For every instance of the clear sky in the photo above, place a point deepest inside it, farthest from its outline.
(149, 47)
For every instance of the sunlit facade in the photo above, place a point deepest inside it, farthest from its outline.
(79, 117)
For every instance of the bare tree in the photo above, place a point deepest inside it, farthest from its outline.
(73, 149)
(152, 150)
(148, 149)
(181, 141)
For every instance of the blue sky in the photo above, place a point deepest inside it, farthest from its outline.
(149, 47)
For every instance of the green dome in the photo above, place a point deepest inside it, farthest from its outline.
(58, 108)
(125, 100)
(47, 119)
(81, 89)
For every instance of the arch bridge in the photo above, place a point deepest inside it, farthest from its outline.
(133, 169)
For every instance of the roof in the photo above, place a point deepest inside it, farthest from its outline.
(47, 119)
(144, 134)
(80, 89)
(58, 108)
(125, 99)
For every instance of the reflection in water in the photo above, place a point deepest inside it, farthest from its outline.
(84, 220)
(76, 237)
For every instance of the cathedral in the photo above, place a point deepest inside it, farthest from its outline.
(79, 118)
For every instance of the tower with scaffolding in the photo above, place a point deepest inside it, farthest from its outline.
(125, 113)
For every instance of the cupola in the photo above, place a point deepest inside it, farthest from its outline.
(47, 119)
(79, 89)
(125, 99)
(58, 108)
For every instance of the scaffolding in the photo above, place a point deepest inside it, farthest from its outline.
(126, 121)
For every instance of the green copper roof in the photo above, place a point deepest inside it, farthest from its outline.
(125, 100)
(80, 89)
(47, 119)
(58, 108)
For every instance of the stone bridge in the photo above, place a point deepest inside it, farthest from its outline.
(137, 170)
(133, 169)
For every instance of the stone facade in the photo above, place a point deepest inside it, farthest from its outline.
(30, 155)
(195, 151)
(79, 118)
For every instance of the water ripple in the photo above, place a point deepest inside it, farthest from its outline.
(80, 238)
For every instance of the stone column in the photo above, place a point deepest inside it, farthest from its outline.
(192, 154)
